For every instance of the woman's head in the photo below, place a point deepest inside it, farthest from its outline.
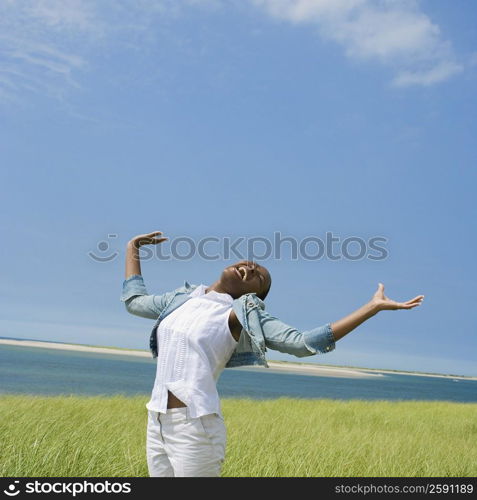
(245, 277)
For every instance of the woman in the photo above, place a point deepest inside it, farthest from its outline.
(199, 331)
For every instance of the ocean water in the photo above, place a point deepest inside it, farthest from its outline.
(41, 371)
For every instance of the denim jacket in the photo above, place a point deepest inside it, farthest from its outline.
(260, 330)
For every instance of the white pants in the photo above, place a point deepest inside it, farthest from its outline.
(178, 445)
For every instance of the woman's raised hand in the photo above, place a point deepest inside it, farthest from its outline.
(383, 303)
(147, 239)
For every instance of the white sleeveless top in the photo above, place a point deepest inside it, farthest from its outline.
(194, 343)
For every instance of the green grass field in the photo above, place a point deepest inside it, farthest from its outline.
(105, 436)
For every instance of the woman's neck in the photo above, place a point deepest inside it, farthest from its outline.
(216, 287)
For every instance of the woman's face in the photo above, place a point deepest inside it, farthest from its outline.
(244, 277)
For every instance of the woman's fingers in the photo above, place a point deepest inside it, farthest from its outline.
(158, 240)
(150, 238)
(380, 291)
(147, 235)
(406, 305)
(419, 299)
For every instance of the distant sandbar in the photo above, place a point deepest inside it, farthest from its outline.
(289, 367)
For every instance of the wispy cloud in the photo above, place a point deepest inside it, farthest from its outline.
(47, 45)
(62, 14)
(36, 39)
(392, 32)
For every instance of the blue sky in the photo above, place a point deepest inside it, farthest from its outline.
(242, 119)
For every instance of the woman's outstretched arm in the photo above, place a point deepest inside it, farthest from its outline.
(379, 302)
(135, 295)
(282, 337)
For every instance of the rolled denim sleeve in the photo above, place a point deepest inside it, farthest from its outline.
(320, 340)
(139, 302)
(284, 338)
(132, 286)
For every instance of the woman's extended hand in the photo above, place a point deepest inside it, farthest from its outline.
(133, 263)
(147, 239)
(382, 303)
(379, 302)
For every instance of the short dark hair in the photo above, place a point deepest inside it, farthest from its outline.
(263, 295)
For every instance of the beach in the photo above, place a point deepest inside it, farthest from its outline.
(277, 366)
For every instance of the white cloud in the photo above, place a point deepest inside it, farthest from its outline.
(46, 45)
(62, 14)
(439, 73)
(35, 45)
(395, 33)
